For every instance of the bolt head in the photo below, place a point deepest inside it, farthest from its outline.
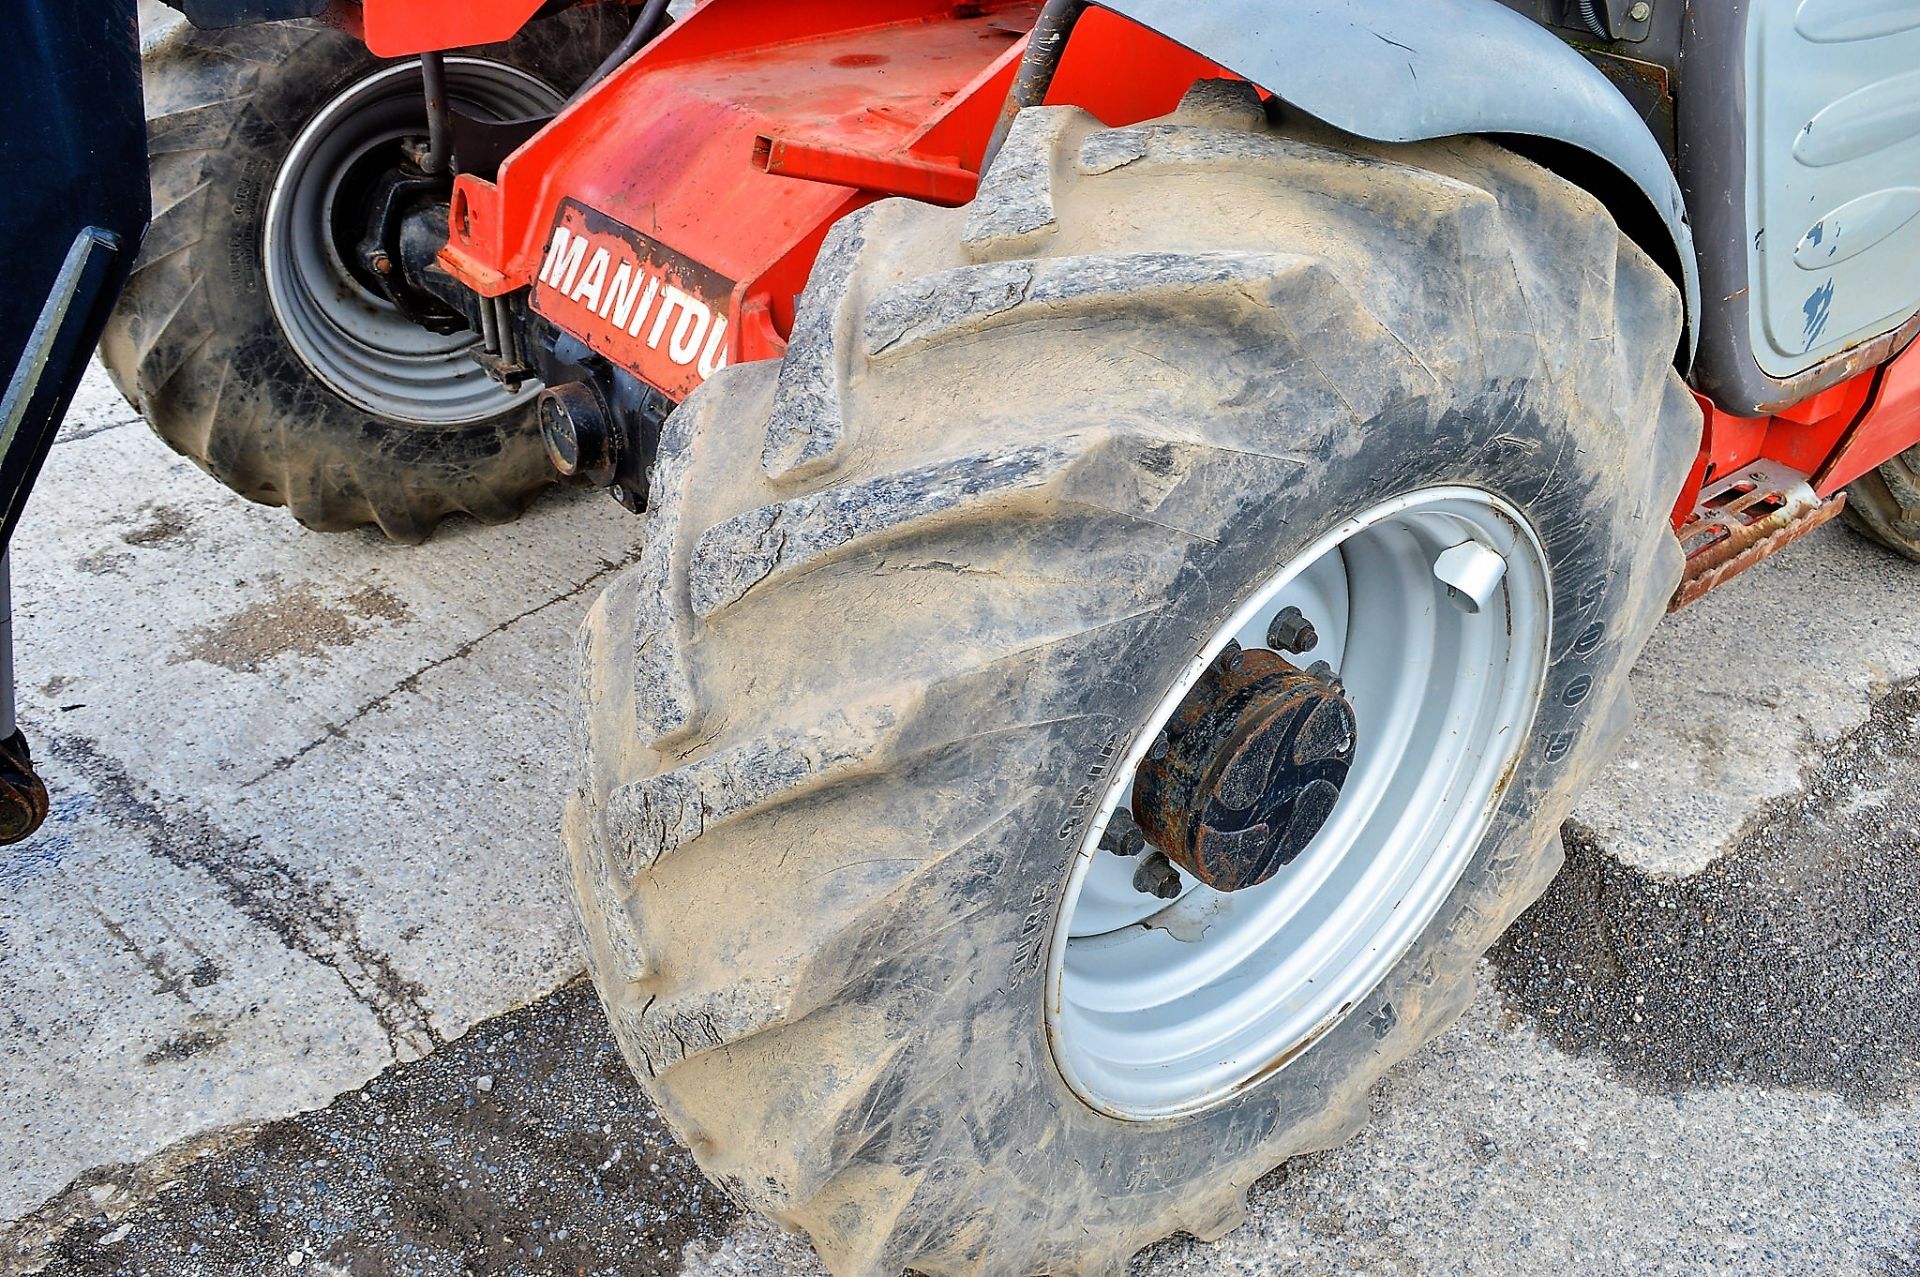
(1122, 837)
(1291, 631)
(1640, 12)
(1156, 876)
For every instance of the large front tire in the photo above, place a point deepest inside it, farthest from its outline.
(849, 716)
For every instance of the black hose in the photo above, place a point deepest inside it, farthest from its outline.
(651, 21)
(1045, 45)
(1590, 15)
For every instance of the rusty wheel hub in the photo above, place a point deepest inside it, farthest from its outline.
(1250, 768)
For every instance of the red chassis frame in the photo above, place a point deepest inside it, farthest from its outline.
(752, 126)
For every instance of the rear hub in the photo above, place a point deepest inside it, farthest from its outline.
(336, 313)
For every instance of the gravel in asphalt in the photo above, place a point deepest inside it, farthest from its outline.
(1790, 961)
(523, 1147)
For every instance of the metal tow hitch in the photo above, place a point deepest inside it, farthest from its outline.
(1250, 767)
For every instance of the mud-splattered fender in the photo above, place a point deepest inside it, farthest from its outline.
(1409, 70)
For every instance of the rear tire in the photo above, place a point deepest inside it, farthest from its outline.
(849, 716)
(197, 346)
(1884, 504)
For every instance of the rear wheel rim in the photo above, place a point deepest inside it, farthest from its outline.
(1160, 1008)
(351, 338)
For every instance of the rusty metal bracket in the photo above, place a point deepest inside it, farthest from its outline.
(1743, 518)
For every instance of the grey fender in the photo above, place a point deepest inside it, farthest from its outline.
(1408, 70)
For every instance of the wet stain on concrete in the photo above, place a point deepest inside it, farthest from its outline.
(412, 682)
(171, 976)
(104, 562)
(524, 1147)
(184, 1045)
(165, 525)
(1792, 961)
(290, 622)
(373, 602)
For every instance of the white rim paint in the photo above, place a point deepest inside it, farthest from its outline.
(349, 336)
(1161, 1008)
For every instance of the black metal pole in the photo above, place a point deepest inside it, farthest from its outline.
(7, 724)
(433, 74)
(1037, 67)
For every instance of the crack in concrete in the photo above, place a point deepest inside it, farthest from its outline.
(338, 731)
(308, 918)
(75, 436)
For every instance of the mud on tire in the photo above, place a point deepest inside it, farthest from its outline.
(1884, 504)
(194, 343)
(1019, 458)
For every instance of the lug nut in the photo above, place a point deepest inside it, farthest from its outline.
(1229, 657)
(1292, 632)
(1122, 837)
(1156, 876)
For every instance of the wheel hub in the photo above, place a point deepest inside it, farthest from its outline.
(1249, 770)
(1253, 910)
(338, 316)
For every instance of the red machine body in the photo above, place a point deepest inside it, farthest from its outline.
(399, 28)
(745, 132)
(670, 217)
(1833, 437)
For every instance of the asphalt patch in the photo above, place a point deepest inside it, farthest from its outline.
(1792, 961)
(523, 1147)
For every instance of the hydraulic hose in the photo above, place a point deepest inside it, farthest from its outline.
(1592, 18)
(651, 21)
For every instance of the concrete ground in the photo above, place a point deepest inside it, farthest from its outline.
(288, 981)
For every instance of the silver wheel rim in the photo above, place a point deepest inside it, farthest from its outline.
(1159, 1008)
(348, 336)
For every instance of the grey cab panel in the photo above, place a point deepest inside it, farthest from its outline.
(1833, 177)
